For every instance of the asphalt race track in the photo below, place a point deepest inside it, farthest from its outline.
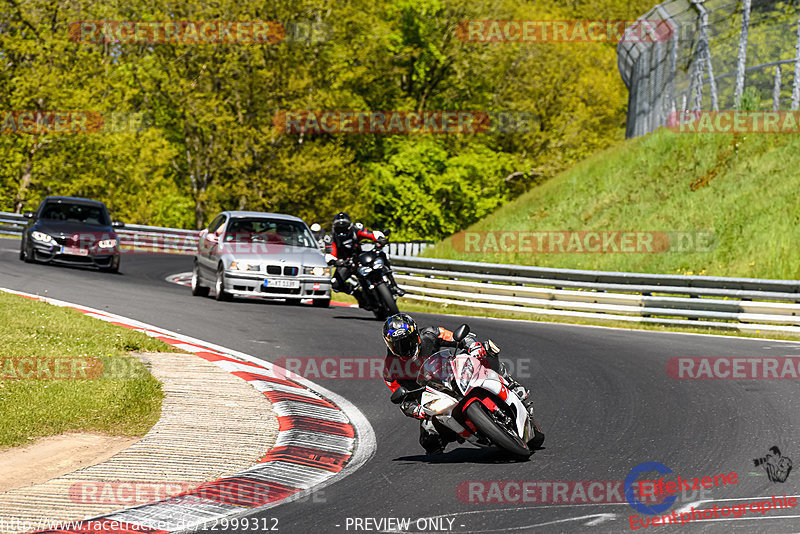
(603, 397)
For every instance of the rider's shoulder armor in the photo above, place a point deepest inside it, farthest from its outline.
(430, 331)
(359, 227)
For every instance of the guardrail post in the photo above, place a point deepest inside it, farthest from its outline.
(776, 89)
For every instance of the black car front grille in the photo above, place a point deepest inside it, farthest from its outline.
(286, 270)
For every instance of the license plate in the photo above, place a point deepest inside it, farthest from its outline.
(75, 251)
(288, 284)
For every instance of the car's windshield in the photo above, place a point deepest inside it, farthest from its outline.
(83, 213)
(436, 369)
(257, 230)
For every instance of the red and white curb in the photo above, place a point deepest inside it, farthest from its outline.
(322, 438)
(185, 279)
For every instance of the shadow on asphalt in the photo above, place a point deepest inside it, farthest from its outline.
(464, 455)
(370, 318)
(73, 267)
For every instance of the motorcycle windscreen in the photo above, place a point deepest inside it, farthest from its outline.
(436, 369)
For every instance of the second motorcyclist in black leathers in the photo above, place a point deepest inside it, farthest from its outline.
(345, 238)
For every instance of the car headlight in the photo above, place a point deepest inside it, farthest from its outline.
(242, 266)
(364, 270)
(42, 237)
(107, 243)
(377, 264)
(317, 271)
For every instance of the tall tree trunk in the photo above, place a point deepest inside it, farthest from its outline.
(25, 180)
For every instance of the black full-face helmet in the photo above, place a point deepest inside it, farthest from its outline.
(401, 335)
(341, 224)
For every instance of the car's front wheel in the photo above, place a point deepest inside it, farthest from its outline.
(198, 290)
(220, 285)
(113, 268)
(27, 255)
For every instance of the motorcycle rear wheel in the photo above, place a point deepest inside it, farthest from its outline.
(486, 425)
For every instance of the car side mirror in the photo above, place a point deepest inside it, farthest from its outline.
(460, 333)
(117, 224)
(398, 395)
(28, 214)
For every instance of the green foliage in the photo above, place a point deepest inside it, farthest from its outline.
(210, 143)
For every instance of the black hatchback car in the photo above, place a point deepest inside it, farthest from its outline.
(74, 231)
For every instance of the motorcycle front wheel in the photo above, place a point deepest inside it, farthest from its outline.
(386, 303)
(500, 436)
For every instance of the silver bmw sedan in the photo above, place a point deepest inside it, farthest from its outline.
(267, 255)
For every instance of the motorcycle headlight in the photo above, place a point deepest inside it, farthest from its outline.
(377, 264)
(364, 270)
(243, 266)
(438, 405)
(41, 237)
(107, 243)
(317, 271)
(466, 375)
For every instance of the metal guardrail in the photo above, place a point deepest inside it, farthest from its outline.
(739, 303)
(748, 304)
(141, 238)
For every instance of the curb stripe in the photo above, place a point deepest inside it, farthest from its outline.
(309, 457)
(312, 424)
(309, 448)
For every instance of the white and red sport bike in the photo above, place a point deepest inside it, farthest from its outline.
(473, 401)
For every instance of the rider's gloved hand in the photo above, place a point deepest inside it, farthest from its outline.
(477, 350)
(330, 259)
(382, 240)
(412, 409)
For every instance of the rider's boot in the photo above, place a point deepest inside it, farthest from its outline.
(393, 285)
(430, 439)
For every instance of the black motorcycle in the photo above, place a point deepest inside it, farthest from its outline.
(370, 269)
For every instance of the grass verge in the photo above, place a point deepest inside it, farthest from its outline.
(740, 189)
(35, 337)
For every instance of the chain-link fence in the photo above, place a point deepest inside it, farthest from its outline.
(721, 55)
